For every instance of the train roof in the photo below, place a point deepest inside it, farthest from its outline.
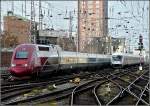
(69, 52)
(126, 54)
(36, 45)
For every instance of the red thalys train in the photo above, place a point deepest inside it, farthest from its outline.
(30, 59)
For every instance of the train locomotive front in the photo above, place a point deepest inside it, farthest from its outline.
(24, 61)
(117, 60)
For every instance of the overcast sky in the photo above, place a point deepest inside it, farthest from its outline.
(129, 19)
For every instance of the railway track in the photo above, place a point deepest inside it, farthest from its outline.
(41, 97)
(31, 80)
(12, 86)
(138, 88)
(58, 96)
(83, 95)
(44, 81)
(24, 88)
(128, 94)
(119, 84)
(4, 76)
(11, 91)
(103, 92)
(127, 84)
(41, 79)
(78, 94)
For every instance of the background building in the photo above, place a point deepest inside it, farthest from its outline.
(92, 20)
(118, 45)
(16, 30)
(57, 37)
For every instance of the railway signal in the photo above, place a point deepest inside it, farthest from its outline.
(140, 42)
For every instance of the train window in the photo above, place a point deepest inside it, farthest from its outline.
(117, 58)
(43, 48)
(21, 55)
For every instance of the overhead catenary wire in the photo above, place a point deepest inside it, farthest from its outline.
(138, 3)
(37, 5)
(134, 16)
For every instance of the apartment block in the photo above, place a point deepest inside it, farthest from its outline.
(93, 21)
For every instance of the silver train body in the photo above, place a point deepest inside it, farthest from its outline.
(58, 59)
(121, 60)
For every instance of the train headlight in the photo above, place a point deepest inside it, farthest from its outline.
(26, 65)
(13, 65)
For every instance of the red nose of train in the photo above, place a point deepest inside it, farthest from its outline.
(20, 71)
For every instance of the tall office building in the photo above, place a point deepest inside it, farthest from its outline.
(93, 22)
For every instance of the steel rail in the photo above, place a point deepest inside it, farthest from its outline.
(137, 86)
(29, 87)
(142, 94)
(137, 97)
(115, 96)
(137, 79)
(12, 94)
(58, 82)
(36, 97)
(88, 87)
(18, 82)
(46, 82)
(78, 87)
(127, 89)
(134, 74)
(131, 74)
(108, 79)
(133, 93)
(46, 98)
(52, 97)
(95, 94)
(119, 87)
(132, 83)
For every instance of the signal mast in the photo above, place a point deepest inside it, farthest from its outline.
(140, 48)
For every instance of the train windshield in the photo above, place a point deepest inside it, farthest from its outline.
(21, 54)
(117, 58)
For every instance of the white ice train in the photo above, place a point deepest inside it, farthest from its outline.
(124, 59)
